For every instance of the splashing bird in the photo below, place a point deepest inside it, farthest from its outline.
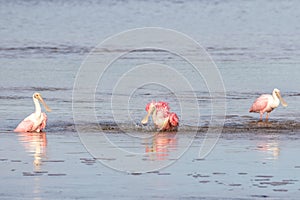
(35, 122)
(163, 119)
(267, 103)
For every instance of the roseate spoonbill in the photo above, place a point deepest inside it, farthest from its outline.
(163, 119)
(267, 103)
(35, 122)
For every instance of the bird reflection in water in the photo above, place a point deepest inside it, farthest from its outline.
(271, 148)
(161, 145)
(35, 144)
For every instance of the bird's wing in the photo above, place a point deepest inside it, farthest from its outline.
(174, 120)
(25, 126)
(162, 106)
(44, 121)
(164, 125)
(259, 104)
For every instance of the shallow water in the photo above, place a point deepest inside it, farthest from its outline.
(240, 166)
(256, 47)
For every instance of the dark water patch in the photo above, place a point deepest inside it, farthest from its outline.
(259, 196)
(198, 159)
(203, 176)
(276, 183)
(60, 127)
(53, 161)
(218, 173)
(261, 179)
(31, 174)
(150, 50)
(3, 159)
(280, 190)
(242, 173)
(251, 96)
(12, 97)
(107, 127)
(15, 161)
(106, 159)
(264, 176)
(196, 175)
(220, 183)
(13, 52)
(204, 181)
(260, 186)
(214, 48)
(290, 180)
(35, 173)
(240, 126)
(126, 50)
(88, 161)
(49, 89)
(110, 126)
(24, 89)
(292, 94)
(57, 174)
(235, 184)
(40, 172)
(164, 173)
(246, 124)
(153, 172)
(136, 173)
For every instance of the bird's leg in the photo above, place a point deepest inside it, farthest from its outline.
(267, 117)
(260, 118)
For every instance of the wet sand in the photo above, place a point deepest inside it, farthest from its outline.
(245, 165)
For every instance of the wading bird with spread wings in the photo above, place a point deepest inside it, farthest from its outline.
(163, 119)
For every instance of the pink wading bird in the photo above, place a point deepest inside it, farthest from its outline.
(163, 119)
(35, 122)
(267, 103)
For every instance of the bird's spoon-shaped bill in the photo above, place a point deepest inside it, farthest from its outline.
(146, 118)
(283, 102)
(44, 104)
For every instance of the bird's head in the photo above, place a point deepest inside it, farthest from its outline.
(277, 93)
(39, 97)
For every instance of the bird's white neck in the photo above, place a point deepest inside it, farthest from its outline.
(38, 109)
(154, 114)
(274, 95)
(276, 101)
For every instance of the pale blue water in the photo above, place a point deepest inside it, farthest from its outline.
(255, 45)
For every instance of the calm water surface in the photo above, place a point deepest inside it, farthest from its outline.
(256, 47)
